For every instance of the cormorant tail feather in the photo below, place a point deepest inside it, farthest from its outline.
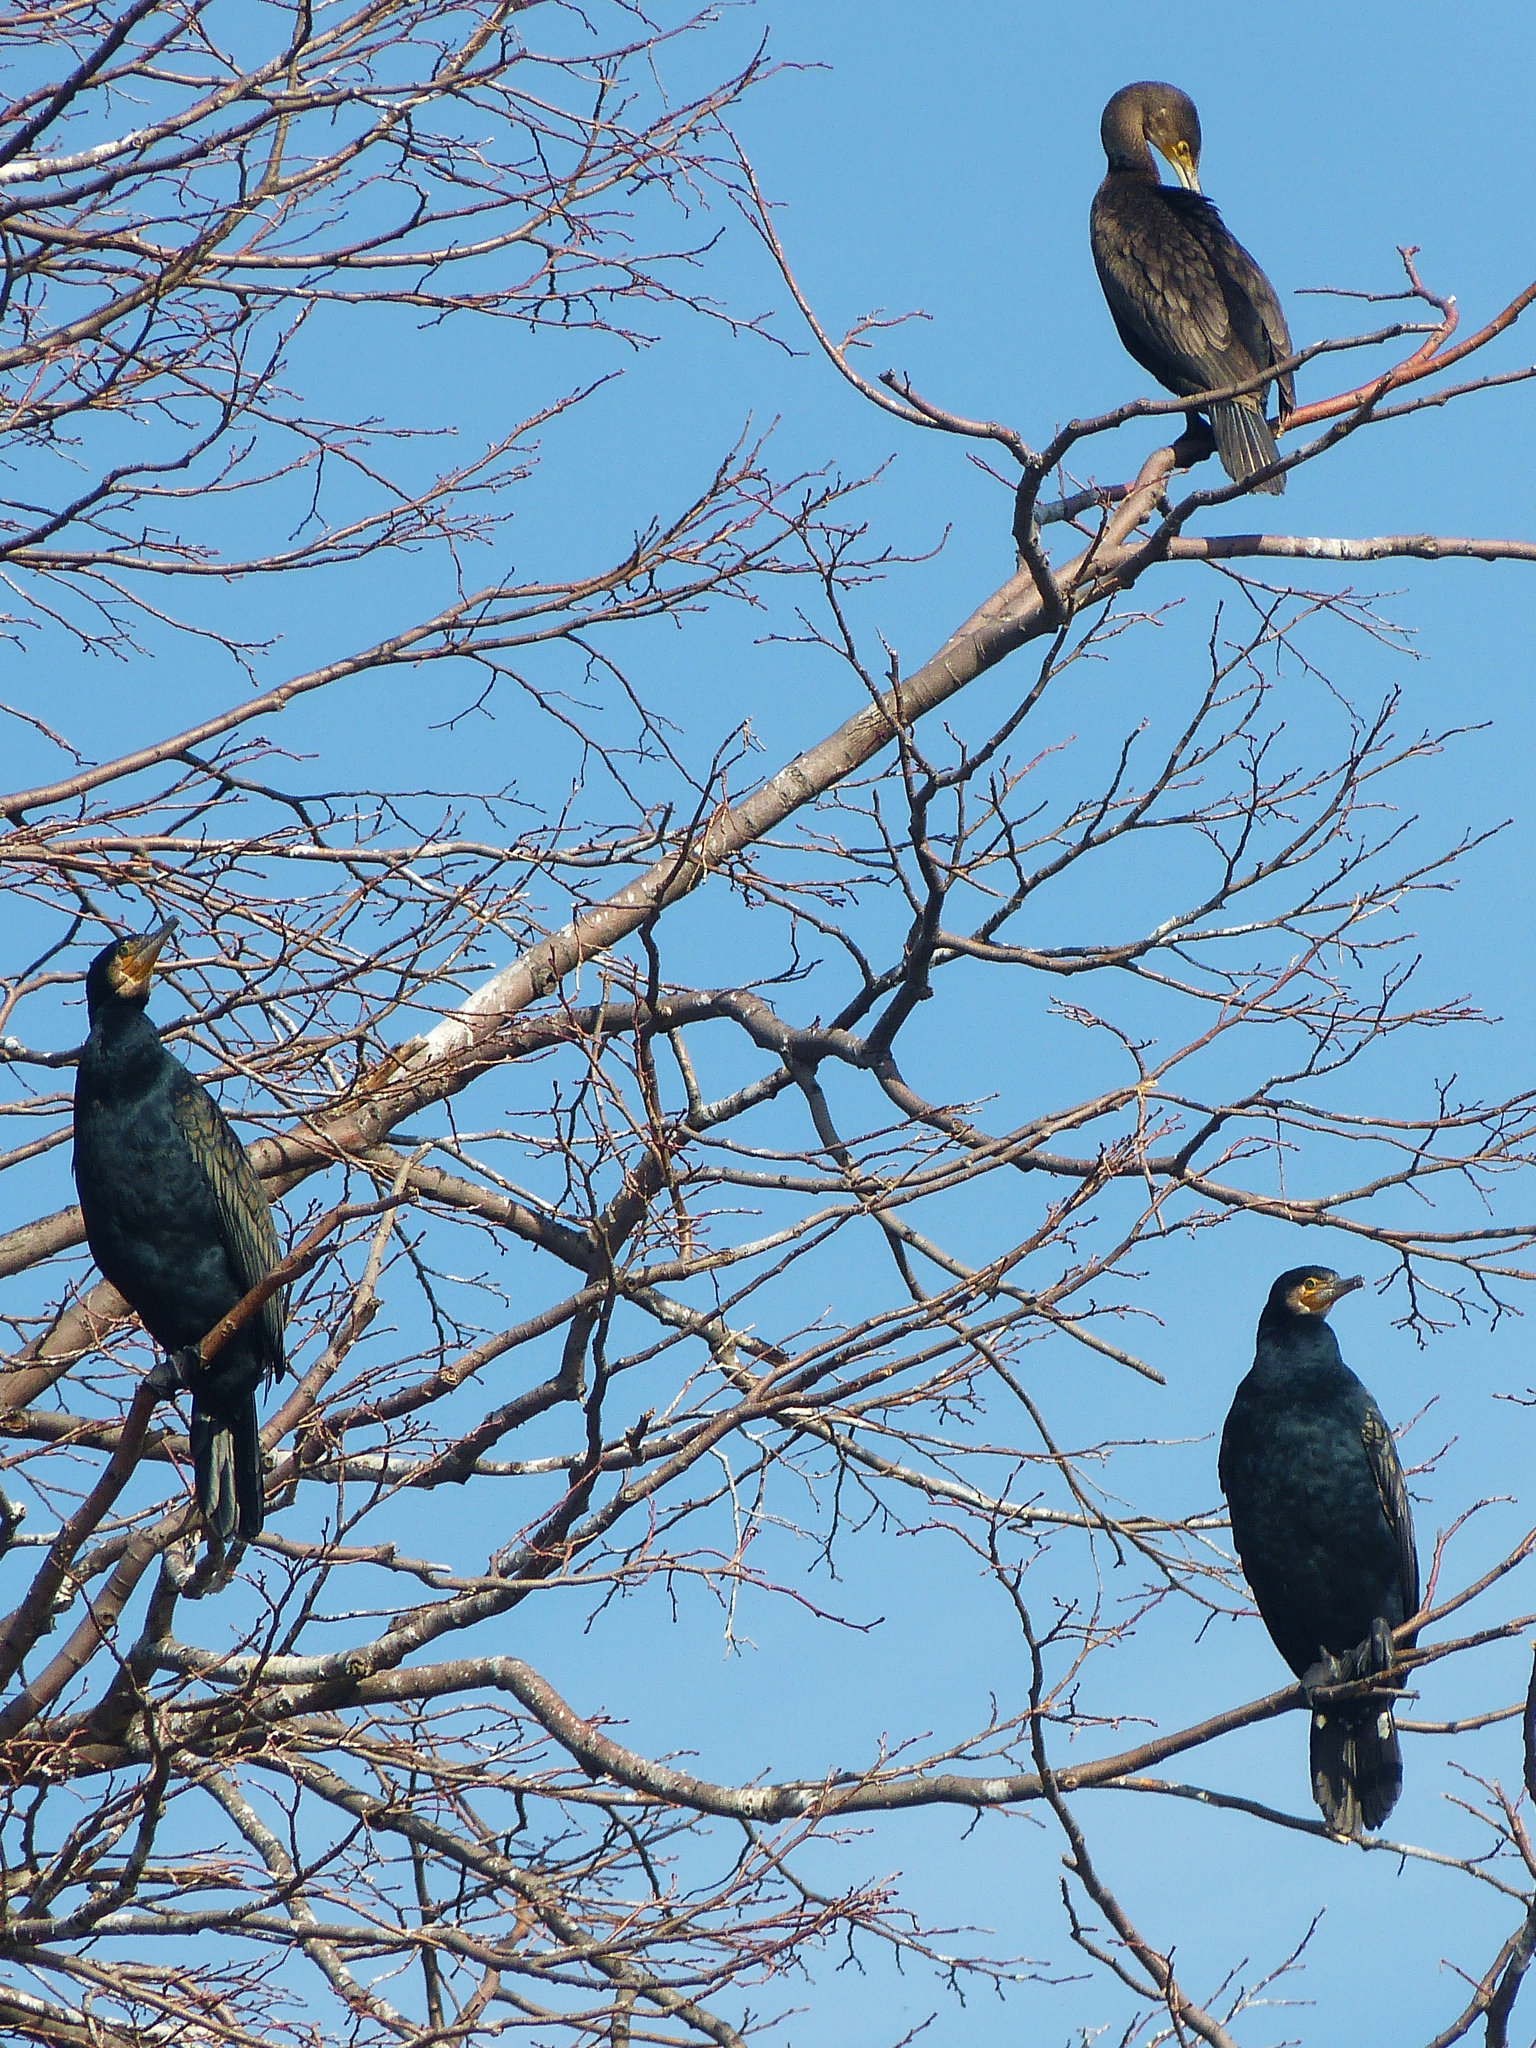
(1357, 1768)
(1244, 442)
(226, 1459)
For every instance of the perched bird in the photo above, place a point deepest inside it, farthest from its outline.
(179, 1223)
(1191, 304)
(1322, 1524)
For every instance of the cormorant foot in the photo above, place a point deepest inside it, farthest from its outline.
(215, 1568)
(1371, 1656)
(1196, 444)
(1377, 1648)
(166, 1377)
(1327, 1672)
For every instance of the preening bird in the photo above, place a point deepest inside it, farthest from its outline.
(178, 1221)
(1190, 303)
(1321, 1521)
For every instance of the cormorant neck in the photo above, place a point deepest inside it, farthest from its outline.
(1291, 1338)
(124, 1042)
(1127, 148)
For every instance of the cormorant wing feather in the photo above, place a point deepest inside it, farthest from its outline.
(1187, 268)
(245, 1216)
(1387, 1471)
(1166, 296)
(1256, 315)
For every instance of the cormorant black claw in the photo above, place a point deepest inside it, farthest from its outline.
(1379, 1652)
(164, 1378)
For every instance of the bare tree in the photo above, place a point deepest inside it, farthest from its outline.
(605, 1271)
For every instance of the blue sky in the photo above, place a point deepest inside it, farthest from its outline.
(942, 160)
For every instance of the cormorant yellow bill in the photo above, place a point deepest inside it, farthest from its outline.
(134, 961)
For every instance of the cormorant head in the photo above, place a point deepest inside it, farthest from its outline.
(1150, 112)
(121, 972)
(1308, 1291)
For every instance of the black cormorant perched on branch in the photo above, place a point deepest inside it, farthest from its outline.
(1191, 304)
(1321, 1521)
(178, 1221)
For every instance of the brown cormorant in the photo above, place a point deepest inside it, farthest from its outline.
(178, 1221)
(1321, 1521)
(1191, 304)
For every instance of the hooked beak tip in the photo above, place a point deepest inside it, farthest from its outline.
(153, 944)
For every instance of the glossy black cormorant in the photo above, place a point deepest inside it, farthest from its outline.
(1191, 304)
(1321, 1521)
(178, 1221)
